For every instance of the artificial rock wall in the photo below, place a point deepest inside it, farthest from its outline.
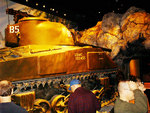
(115, 31)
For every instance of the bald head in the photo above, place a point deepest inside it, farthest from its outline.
(125, 92)
(5, 88)
(123, 85)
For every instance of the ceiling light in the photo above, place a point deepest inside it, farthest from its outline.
(26, 0)
(37, 4)
(43, 6)
(65, 14)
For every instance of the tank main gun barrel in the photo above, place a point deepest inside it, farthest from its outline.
(83, 44)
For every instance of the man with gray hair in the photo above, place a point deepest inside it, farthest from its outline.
(6, 106)
(129, 90)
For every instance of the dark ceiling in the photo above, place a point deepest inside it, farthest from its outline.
(84, 13)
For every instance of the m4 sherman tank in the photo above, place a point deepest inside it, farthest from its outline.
(41, 56)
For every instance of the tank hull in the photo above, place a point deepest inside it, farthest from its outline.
(32, 62)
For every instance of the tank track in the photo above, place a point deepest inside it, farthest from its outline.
(56, 102)
(30, 85)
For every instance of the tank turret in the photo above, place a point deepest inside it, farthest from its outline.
(37, 31)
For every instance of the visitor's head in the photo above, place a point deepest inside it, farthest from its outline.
(74, 84)
(6, 88)
(124, 90)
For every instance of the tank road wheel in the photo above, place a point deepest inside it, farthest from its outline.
(99, 93)
(58, 104)
(96, 92)
(42, 106)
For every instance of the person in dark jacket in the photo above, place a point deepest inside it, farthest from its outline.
(81, 100)
(6, 106)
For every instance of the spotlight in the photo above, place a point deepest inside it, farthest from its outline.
(26, 0)
(43, 6)
(65, 14)
(37, 4)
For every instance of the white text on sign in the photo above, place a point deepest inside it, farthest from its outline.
(13, 29)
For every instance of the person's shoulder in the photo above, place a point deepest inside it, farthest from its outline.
(13, 108)
(88, 91)
(83, 92)
(19, 108)
(83, 89)
(119, 106)
(119, 101)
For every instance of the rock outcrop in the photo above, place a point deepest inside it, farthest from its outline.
(115, 31)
